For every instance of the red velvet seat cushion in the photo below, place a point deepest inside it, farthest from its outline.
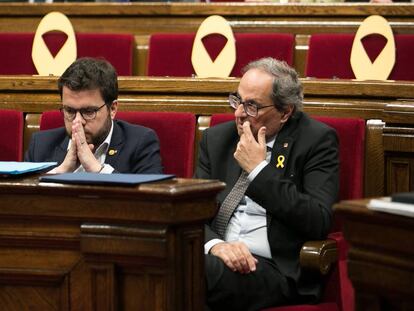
(175, 130)
(170, 54)
(329, 55)
(16, 51)
(11, 135)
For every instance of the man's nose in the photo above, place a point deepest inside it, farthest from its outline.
(79, 117)
(239, 112)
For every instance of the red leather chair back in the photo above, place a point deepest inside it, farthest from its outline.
(175, 130)
(170, 54)
(16, 51)
(51, 119)
(11, 135)
(329, 55)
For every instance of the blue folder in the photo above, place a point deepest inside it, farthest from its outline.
(18, 168)
(104, 179)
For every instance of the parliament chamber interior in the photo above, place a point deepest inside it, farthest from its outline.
(141, 249)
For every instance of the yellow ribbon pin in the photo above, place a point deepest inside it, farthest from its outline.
(112, 152)
(280, 160)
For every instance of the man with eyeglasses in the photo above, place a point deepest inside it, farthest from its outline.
(281, 173)
(92, 141)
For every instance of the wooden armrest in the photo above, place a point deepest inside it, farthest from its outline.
(318, 255)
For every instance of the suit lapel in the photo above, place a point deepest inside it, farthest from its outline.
(115, 147)
(283, 145)
(61, 151)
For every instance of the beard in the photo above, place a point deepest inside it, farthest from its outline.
(103, 132)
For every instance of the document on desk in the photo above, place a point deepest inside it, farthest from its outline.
(105, 179)
(388, 206)
(17, 168)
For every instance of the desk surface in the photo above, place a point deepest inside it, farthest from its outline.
(142, 203)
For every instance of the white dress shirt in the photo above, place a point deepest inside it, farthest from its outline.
(248, 222)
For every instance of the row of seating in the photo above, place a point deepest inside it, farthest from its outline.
(170, 54)
(176, 131)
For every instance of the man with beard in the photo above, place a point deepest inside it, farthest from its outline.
(92, 141)
(281, 172)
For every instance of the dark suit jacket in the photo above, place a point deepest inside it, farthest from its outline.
(297, 198)
(137, 148)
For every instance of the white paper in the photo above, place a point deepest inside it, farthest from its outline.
(387, 206)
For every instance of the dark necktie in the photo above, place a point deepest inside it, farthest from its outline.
(230, 203)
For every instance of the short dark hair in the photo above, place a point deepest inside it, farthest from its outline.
(287, 89)
(90, 74)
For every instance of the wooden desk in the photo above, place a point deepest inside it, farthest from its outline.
(381, 257)
(69, 247)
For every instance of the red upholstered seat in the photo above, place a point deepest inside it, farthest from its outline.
(11, 135)
(170, 54)
(329, 55)
(338, 294)
(175, 130)
(16, 51)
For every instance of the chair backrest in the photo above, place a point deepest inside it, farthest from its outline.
(175, 130)
(16, 51)
(11, 135)
(351, 135)
(170, 54)
(329, 55)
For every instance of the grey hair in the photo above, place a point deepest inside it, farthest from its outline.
(287, 89)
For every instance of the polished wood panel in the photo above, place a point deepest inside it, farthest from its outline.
(381, 257)
(69, 247)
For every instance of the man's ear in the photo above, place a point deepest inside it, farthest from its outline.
(114, 108)
(286, 115)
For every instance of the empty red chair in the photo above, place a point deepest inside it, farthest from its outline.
(16, 51)
(329, 55)
(338, 293)
(170, 54)
(11, 135)
(175, 130)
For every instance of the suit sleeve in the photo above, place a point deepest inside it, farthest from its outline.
(147, 159)
(306, 210)
(29, 154)
(203, 170)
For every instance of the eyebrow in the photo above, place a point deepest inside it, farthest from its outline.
(251, 101)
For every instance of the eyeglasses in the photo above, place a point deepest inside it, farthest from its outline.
(249, 106)
(88, 113)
